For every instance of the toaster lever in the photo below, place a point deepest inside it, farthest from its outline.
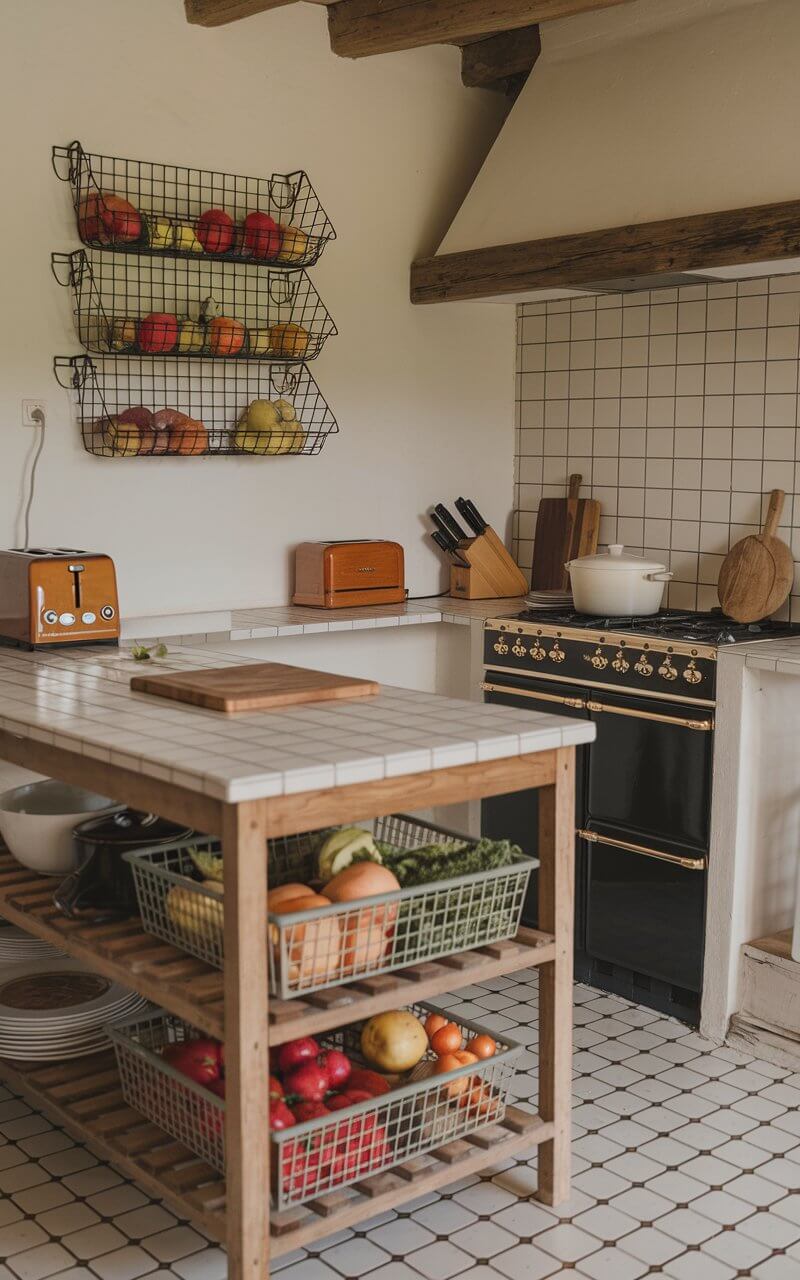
(76, 570)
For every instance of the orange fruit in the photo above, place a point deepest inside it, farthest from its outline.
(465, 1058)
(433, 1022)
(454, 1088)
(446, 1040)
(482, 1046)
(225, 336)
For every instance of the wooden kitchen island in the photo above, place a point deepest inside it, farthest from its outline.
(71, 715)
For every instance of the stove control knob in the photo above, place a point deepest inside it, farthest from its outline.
(519, 649)
(620, 663)
(643, 667)
(691, 675)
(598, 660)
(667, 671)
(556, 654)
(500, 646)
(537, 652)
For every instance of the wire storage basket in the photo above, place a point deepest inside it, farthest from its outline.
(335, 1150)
(180, 900)
(169, 306)
(140, 206)
(147, 406)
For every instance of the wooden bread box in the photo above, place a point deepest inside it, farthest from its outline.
(338, 575)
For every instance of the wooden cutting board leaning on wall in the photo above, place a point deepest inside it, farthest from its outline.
(757, 573)
(566, 528)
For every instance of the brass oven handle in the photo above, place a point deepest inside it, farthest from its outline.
(577, 703)
(689, 864)
(705, 726)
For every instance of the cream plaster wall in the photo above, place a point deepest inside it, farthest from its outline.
(424, 397)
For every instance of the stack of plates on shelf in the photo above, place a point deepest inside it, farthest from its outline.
(17, 946)
(55, 1009)
(550, 599)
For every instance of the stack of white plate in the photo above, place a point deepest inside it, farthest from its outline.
(17, 946)
(54, 1009)
(553, 598)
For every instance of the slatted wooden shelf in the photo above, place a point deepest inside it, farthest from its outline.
(85, 1097)
(194, 990)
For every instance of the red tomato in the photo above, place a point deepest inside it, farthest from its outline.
(280, 1117)
(309, 1111)
(197, 1059)
(349, 1098)
(275, 1089)
(446, 1039)
(309, 1081)
(296, 1051)
(371, 1081)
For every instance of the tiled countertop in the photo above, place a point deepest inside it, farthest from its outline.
(80, 699)
(291, 620)
(771, 655)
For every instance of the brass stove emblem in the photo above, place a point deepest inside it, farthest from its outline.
(556, 654)
(666, 670)
(598, 659)
(691, 675)
(643, 667)
(519, 649)
(537, 652)
(500, 646)
(620, 663)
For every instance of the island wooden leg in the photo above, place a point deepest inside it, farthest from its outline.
(556, 915)
(246, 1040)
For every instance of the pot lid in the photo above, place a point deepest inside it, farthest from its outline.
(617, 560)
(131, 828)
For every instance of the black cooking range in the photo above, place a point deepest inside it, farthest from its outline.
(643, 795)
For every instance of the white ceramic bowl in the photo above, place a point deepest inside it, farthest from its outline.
(37, 820)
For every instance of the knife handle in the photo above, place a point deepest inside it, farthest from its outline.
(450, 522)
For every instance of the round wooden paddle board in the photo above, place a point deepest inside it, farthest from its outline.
(757, 573)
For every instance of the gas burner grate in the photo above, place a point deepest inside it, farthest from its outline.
(668, 624)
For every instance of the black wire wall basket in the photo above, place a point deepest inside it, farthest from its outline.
(139, 206)
(168, 306)
(151, 407)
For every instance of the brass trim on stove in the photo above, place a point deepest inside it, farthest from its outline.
(597, 684)
(615, 639)
(577, 703)
(704, 726)
(689, 864)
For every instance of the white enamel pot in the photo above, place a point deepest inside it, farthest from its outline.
(616, 584)
(36, 822)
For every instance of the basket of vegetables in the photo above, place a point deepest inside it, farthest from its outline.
(345, 904)
(356, 1102)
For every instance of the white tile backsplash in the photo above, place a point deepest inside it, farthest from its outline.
(680, 409)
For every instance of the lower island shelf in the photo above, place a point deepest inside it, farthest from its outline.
(86, 1098)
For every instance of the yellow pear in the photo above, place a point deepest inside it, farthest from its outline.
(262, 415)
(191, 336)
(159, 232)
(294, 244)
(286, 410)
(185, 239)
(260, 342)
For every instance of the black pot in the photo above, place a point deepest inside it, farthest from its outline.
(103, 886)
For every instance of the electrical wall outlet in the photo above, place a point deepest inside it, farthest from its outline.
(28, 407)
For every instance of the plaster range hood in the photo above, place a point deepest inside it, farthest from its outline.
(652, 147)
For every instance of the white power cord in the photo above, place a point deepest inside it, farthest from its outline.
(38, 417)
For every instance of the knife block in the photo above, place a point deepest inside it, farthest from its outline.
(489, 571)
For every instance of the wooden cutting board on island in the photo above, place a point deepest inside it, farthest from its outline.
(257, 686)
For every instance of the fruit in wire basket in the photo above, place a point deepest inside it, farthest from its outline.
(348, 844)
(280, 1117)
(366, 931)
(158, 332)
(309, 1081)
(184, 238)
(124, 439)
(159, 233)
(137, 414)
(191, 336)
(196, 1058)
(295, 1052)
(433, 1022)
(285, 893)
(189, 438)
(261, 236)
(447, 1039)
(289, 340)
(261, 415)
(214, 230)
(483, 1046)
(313, 947)
(451, 1062)
(294, 245)
(286, 410)
(108, 218)
(337, 1066)
(259, 342)
(368, 1081)
(196, 913)
(307, 1110)
(225, 336)
(122, 334)
(394, 1041)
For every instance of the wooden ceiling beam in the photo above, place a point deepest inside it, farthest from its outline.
(359, 28)
(733, 237)
(216, 13)
(501, 62)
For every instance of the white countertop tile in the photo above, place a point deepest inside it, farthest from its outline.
(82, 699)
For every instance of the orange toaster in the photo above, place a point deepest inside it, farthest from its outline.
(338, 575)
(56, 595)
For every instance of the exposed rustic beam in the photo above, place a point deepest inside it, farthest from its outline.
(216, 13)
(733, 237)
(502, 61)
(362, 27)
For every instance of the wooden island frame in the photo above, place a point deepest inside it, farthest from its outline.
(84, 1096)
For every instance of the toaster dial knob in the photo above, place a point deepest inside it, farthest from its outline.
(67, 619)
(88, 618)
(50, 617)
(107, 612)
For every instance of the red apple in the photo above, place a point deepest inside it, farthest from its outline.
(309, 1111)
(280, 1117)
(158, 333)
(337, 1065)
(108, 219)
(275, 1089)
(262, 235)
(296, 1051)
(214, 230)
(309, 1081)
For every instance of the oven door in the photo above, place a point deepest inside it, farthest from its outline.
(515, 816)
(649, 770)
(645, 907)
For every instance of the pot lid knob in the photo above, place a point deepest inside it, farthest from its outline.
(615, 548)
